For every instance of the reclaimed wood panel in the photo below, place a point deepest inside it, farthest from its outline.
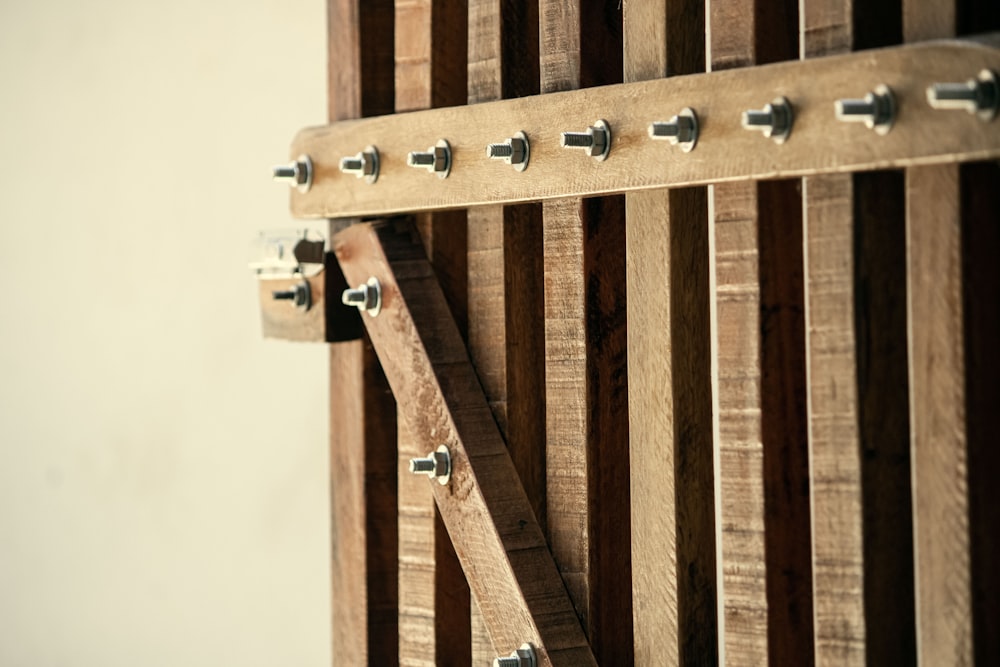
(670, 391)
(364, 571)
(505, 268)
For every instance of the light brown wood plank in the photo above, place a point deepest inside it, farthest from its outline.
(670, 400)
(430, 56)
(484, 506)
(364, 572)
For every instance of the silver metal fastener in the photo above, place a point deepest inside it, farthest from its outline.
(436, 465)
(774, 120)
(980, 96)
(298, 173)
(363, 165)
(515, 151)
(596, 140)
(522, 657)
(300, 295)
(436, 159)
(367, 298)
(877, 110)
(680, 130)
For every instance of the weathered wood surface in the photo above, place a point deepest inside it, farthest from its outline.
(505, 267)
(487, 513)
(725, 151)
(670, 391)
(283, 319)
(434, 597)
(586, 422)
(364, 571)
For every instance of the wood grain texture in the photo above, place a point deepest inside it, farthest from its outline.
(364, 571)
(486, 511)
(586, 422)
(430, 57)
(670, 392)
(760, 372)
(504, 266)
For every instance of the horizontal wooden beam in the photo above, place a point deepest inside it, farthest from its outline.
(819, 143)
(484, 506)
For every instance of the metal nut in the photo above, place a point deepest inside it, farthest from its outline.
(298, 173)
(596, 140)
(980, 96)
(436, 159)
(436, 465)
(681, 130)
(367, 297)
(363, 165)
(522, 657)
(515, 151)
(877, 110)
(774, 120)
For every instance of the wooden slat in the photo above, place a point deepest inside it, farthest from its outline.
(434, 597)
(725, 151)
(585, 349)
(364, 573)
(670, 392)
(484, 506)
(862, 564)
(763, 470)
(504, 264)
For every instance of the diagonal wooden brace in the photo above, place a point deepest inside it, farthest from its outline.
(495, 532)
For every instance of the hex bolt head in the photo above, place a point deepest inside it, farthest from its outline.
(681, 130)
(298, 173)
(436, 159)
(367, 297)
(980, 96)
(515, 151)
(522, 657)
(877, 110)
(363, 165)
(300, 295)
(436, 465)
(596, 140)
(774, 120)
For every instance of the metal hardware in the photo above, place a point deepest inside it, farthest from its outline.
(596, 140)
(298, 173)
(436, 465)
(363, 165)
(774, 120)
(300, 294)
(522, 657)
(288, 253)
(877, 110)
(437, 159)
(681, 130)
(980, 96)
(515, 151)
(367, 298)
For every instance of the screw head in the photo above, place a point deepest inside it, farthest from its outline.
(877, 110)
(596, 140)
(521, 657)
(436, 159)
(436, 465)
(774, 120)
(681, 130)
(363, 165)
(980, 96)
(367, 297)
(515, 151)
(298, 173)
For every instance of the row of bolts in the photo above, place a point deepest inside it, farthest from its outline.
(877, 110)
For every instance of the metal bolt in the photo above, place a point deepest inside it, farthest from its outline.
(774, 120)
(436, 465)
(437, 159)
(367, 298)
(298, 173)
(301, 294)
(596, 140)
(877, 110)
(514, 151)
(363, 165)
(681, 129)
(980, 96)
(522, 657)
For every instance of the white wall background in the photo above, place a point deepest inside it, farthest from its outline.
(163, 471)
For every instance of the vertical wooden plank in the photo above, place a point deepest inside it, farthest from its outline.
(585, 352)
(857, 433)
(759, 367)
(506, 340)
(364, 574)
(670, 392)
(430, 56)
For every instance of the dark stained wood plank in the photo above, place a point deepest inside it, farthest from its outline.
(670, 391)
(484, 506)
(763, 483)
(430, 56)
(364, 572)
